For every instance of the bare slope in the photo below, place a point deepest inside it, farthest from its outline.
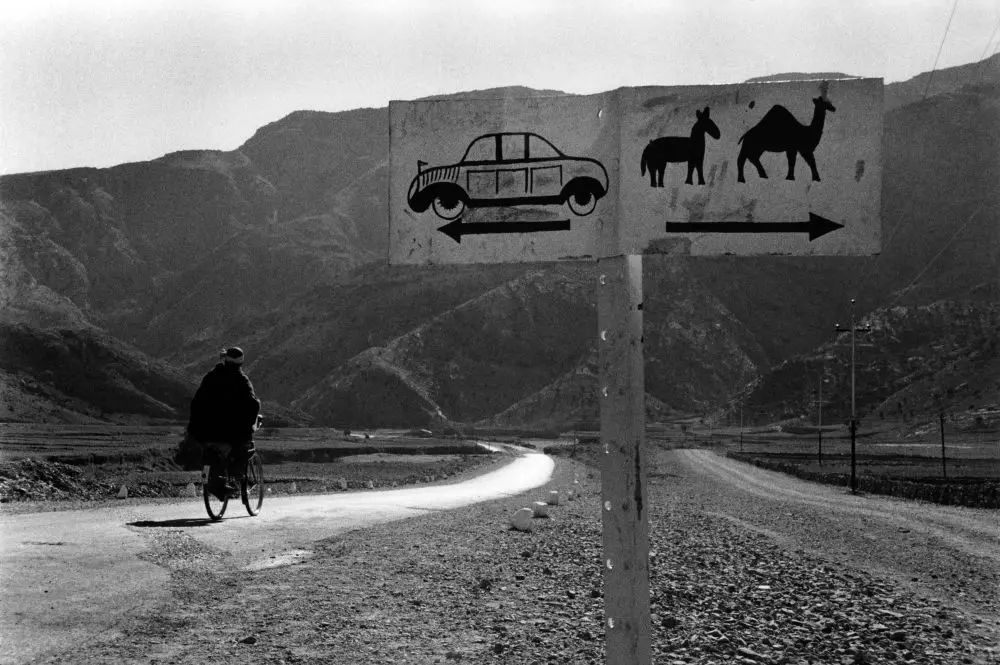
(52, 374)
(917, 362)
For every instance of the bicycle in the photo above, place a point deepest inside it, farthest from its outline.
(251, 488)
(251, 485)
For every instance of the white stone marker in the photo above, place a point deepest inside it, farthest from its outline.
(521, 520)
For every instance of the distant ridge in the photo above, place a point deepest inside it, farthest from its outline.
(801, 76)
(496, 93)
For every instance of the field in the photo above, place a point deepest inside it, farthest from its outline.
(889, 459)
(877, 452)
(45, 462)
(48, 462)
(886, 462)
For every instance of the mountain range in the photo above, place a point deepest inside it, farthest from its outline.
(118, 286)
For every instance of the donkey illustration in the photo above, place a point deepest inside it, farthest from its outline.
(779, 131)
(679, 149)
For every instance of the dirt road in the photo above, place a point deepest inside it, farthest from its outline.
(70, 577)
(947, 552)
(722, 529)
(745, 566)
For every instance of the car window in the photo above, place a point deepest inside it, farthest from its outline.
(512, 147)
(539, 148)
(483, 149)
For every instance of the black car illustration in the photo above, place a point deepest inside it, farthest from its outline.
(508, 169)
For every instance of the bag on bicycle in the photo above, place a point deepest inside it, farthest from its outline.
(190, 453)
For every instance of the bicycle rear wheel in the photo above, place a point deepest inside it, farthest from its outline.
(215, 506)
(253, 485)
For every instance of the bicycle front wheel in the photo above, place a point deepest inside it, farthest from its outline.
(253, 485)
(215, 506)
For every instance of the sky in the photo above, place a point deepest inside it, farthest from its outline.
(102, 82)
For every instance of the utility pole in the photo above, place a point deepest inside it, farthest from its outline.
(819, 419)
(944, 470)
(741, 419)
(854, 415)
(820, 380)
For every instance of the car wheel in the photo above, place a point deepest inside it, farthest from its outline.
(448, 206)
(582, 201)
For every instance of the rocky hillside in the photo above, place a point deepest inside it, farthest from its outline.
(942, 81)
(911, 363)
(940, 201)
(83, 375)
(164, 251)
(277, 246)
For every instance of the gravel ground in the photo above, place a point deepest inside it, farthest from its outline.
(461, 586)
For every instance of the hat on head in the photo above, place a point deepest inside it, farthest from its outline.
(233, 355)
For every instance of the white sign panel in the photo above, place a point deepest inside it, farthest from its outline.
(759, 168)
(496, 181)
(768, 168)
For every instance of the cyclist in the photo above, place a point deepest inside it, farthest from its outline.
(224, 414)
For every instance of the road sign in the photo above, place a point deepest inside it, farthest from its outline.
(758, 168)
(500, 180)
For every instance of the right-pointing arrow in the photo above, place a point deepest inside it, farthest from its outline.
(816, 226)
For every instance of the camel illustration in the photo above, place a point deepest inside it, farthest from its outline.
(779, 131)
(677, 149)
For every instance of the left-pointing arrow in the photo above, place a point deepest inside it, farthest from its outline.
(816, 226)
(455, 230)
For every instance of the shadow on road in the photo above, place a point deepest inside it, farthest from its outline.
(183, 521)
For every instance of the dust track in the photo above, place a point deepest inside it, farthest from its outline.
(950, 552)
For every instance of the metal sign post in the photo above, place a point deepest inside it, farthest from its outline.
(624, 507)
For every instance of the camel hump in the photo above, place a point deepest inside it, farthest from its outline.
(778, 116)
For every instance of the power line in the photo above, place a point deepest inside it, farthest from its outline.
(986, 49)
(906, 288)
(874, 267)
(989, 41)
(885, 245)
(940, 48)
(885, 248)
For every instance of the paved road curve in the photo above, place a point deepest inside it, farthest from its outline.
(69, 577)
